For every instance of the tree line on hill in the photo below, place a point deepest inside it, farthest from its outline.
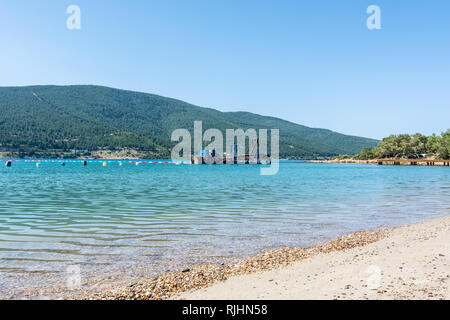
(406, 146)
(68, 121)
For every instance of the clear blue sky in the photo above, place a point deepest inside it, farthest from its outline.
(310, 62)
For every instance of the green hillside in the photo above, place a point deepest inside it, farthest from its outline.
(53, 120)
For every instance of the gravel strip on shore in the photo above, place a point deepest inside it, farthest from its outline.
(203, 275)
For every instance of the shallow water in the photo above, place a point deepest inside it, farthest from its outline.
(131, 221)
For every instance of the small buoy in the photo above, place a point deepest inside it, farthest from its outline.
(8, 163)
(104, 163)
(120, 163)
(38, 164)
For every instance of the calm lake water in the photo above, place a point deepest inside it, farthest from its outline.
(125, 222)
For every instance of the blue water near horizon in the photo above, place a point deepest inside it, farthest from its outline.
(150, 218)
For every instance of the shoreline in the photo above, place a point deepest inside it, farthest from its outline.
(202, 275)
(406, 263)
(390, 162)
(264, 271)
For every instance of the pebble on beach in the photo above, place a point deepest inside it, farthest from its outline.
(204, 275)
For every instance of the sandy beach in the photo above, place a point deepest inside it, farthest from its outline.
(409, 262)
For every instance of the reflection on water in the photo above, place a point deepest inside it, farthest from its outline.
(153, 217)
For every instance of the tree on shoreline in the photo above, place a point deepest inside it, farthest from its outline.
(444, 148)
(409, 146)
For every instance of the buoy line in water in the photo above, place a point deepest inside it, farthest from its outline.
(40, 162)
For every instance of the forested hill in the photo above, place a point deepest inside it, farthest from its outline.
(51, 120)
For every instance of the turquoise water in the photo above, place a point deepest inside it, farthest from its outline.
(137, 220)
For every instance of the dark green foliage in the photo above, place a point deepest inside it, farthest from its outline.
(409, 146)
(444, 146)
(342, 157)
(48, 120)
(366, 153)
